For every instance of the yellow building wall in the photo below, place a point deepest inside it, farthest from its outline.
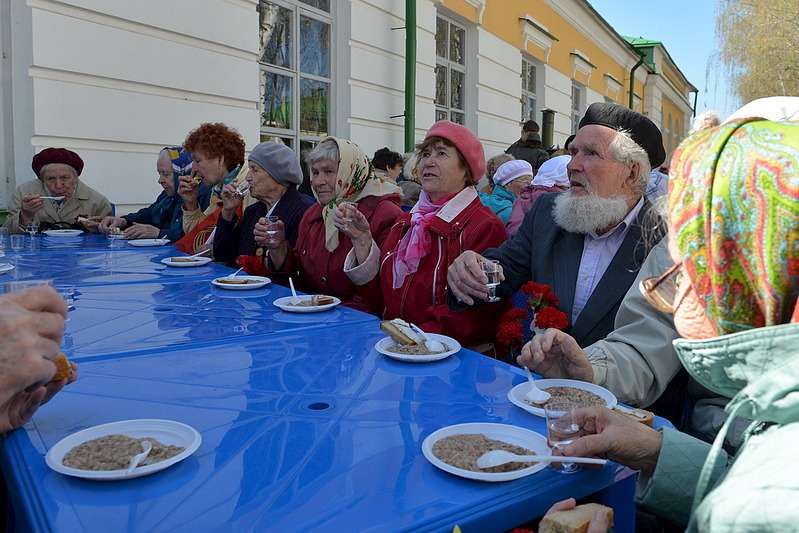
(673, 125)
(501, 18)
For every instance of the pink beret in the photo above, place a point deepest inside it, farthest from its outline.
(465, 141)
(63, 156)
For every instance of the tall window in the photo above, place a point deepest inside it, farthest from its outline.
(296, 71)
(578, 105)
(530, 73)
(450, 71)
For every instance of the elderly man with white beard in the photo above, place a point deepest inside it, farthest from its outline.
(587, 244)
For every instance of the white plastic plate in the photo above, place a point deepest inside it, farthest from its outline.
(516, 394)
(285, 305)
(261, 281)
(164, 431)
(198, 261)
(502, 432)
(63, 232)
(454, 347)
(148, 242)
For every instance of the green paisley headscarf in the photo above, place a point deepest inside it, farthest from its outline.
(355, 180)
(734, 207)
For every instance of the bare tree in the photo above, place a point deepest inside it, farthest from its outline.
(758, 46)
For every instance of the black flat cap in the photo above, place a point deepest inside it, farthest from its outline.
(641, 129)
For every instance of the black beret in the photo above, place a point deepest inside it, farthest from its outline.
(642, 130)
(63, 156)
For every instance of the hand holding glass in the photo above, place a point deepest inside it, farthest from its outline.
(491, 269)
(271, 227)
(562, 430)
(346, 211)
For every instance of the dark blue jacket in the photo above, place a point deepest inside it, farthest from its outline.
(166, 213)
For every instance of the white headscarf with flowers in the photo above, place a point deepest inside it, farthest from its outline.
(355, 180)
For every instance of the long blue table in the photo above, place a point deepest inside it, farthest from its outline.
(305, 425)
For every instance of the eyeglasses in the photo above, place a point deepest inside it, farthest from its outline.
(661, 291)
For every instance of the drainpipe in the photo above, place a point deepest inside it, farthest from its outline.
(632, 79)
(410, 74)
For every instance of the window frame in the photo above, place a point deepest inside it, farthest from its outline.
(578, 107)
(293, 135)
(448, 111)
(536, 95)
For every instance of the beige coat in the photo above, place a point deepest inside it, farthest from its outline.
(84, 201)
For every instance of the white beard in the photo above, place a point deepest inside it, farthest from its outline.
(590, 213)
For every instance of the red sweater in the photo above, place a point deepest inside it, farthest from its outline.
(464, 224)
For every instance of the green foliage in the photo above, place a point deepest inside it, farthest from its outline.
(758, 46)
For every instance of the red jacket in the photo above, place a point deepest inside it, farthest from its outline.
(463, 224)
(317, 271)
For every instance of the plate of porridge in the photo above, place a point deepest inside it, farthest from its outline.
(562, 390)
(455, 449)
(103, 452)
(418, 353)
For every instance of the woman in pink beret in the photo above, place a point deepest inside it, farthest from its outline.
(407, 275)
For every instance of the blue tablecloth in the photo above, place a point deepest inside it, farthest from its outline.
(305, 426)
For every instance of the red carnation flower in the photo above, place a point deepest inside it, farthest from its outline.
(252, 265)
(509, 332)
(513, 315)
(550, 317)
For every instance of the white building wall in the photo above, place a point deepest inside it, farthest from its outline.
(558, 98)
(499, 88)
(118, 81)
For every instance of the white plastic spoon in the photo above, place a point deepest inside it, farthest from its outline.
(431, 344)
(535, 394)
(199, 254)
(294, 298)
(500, 457)
(136, 459)
(52, 197)
(233, 275)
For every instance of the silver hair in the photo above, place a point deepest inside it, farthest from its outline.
(410, 164)
(324, 150)
(48, 166)
(625, 150)
(705, 120)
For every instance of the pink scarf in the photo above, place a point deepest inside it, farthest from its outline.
(415, 244)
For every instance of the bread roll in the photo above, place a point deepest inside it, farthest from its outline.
(574, 520)
(62, 368)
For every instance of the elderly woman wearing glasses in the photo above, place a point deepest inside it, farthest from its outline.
(734, 293)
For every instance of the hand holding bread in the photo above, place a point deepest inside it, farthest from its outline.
(566, 517)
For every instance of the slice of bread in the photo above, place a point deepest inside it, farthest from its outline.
(62, 368)
(321, 299)
(574, 520)
(639, 415)
(401, 331)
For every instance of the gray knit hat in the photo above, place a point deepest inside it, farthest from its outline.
(279, 160)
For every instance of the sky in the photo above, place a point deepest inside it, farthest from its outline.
(687, 28)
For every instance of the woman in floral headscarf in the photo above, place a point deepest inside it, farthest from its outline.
(340, 173)
(164, 218)
(734, 236)
(407, 276)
